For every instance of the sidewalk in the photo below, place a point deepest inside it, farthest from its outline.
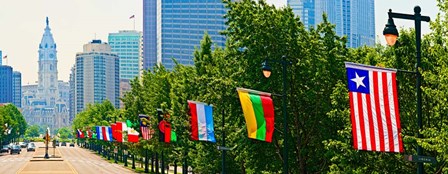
(40, 165)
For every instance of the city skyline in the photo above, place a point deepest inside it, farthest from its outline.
(75, 22)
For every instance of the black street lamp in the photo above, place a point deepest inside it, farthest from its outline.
(391, 34)
(267, 73)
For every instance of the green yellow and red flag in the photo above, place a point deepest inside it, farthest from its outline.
(258, 110)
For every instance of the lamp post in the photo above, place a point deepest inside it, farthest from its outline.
(391, 34)
(267, 73)
(47, 139)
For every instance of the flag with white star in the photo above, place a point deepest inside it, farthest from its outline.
(374, 108)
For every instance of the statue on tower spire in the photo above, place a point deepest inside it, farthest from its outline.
(47, 21)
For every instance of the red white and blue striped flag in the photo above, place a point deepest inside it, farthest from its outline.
(104, 133)
(80, 134)
(374, 108)
(201, 121)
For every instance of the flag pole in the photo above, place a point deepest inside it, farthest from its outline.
(134, 22)
(223, 145)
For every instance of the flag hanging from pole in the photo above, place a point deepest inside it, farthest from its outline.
(144, 127)
(80, 134)
(166, 134)
(107, 133)
(120, 128)
(201, 121)
(374, 108)
(6, 56)
(132, 135)
(133, 16)
(99, 132)
(258, 110)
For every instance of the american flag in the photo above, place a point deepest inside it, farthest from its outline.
(374, 108)
(144, 127)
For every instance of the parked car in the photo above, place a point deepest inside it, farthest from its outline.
(15, 149)
(5, 148)
(10, 145)
(72, 144)
(31, 147)
(23, 144)
(63, 144)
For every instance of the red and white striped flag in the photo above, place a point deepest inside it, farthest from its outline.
(374, 108)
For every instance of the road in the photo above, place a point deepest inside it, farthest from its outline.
(69, 160)
(85, 161)
(12, 163)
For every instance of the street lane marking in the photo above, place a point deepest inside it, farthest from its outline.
(71, 167)
(23, 167)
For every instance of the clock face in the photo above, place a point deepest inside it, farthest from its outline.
(51, 55)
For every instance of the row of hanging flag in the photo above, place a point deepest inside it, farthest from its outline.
(258, 110)
(110, 133)
(373, 107)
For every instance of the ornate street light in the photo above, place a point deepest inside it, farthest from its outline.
(391, 34)
(267, 73)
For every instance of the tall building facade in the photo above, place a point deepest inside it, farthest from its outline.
(150, 24)
(127, 44)
(17, 89)
(48, 72)
(42, 103)
(96, 75)
(1, 57)
(173, 28)
(71, 101)
(353, 18)
(6, 83)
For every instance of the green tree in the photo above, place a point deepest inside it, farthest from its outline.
(11, 116)
(65, 133)
(32, 131)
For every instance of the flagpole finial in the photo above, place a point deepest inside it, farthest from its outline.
(47, 21)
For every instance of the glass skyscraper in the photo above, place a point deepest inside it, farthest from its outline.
(353, 18)
(128, 45)
(305, 9)
(5, 84)
(1, 57)
(17, 89)
(173, 28)
(150, 33)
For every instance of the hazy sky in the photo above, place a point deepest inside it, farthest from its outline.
(76, 22)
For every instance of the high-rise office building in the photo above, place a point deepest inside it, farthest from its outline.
(6, 81)
(353, 18)
(71, 101)
(127, 44)
(305, 9)
(96, 75)
(17, 89)
(1, 57)
(173, 28)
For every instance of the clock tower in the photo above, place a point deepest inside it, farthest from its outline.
(48, 71)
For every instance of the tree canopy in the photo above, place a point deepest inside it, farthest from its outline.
(318, 117)
(12, 123)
